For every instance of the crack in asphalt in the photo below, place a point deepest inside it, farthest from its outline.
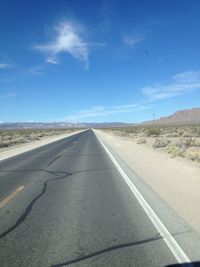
(59, 156)
(56, 159)
(28, 209)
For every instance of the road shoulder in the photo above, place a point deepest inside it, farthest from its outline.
(175, 182)
(12, 151)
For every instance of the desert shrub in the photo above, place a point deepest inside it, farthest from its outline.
(142, 134)
(195, 142)
(154, 131)
(180, 131)
(140, 140)
(188, 134)
(188, 142)
(172, 135)
(132, 135)
(122, 133)
(6, 143)
(158, 143)
(183, 142)
(175, 151)
(197, 132)
(14, 136)
(193, 155)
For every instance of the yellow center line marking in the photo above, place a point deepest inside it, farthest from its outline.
(12, 195)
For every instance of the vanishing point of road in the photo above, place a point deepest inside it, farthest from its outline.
(66, 203)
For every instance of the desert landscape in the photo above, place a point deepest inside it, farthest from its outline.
(176, 141)
(12, 137)
(99, 133)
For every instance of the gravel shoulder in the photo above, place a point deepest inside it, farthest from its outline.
(21, 148)
(176, 181)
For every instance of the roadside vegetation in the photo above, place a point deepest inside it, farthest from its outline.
(177, 141)
(18, 136)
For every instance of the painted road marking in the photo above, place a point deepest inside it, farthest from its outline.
(176, 250)
(12, 195)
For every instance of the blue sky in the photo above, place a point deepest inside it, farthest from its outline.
(98, 61)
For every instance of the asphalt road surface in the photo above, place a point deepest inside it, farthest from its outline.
(67, 204)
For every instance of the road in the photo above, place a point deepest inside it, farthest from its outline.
(66, 203)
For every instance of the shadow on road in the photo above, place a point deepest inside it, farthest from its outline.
(109, 249)
(121, 246)
(191, 264)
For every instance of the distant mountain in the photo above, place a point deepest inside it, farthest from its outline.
(40, 125)
(30, 125)
(186, 116)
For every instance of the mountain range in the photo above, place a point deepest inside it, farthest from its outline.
(186, 116)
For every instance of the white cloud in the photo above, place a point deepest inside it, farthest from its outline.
(52, 60)
(69, 39)
(182, 83)
(8, 95)
(5, 66)
(100, 111)
(38, 70)
(131, 42)
(188, 77)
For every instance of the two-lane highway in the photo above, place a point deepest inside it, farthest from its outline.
(73, 208)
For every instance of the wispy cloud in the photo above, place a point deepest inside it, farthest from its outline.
(8, 95)
(38, 70)
(68, 38)
(5, 66)
(52, 59)
(101, 111)
(132, 41)
(188, 77)
(181, 83)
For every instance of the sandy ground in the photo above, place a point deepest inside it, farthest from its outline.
(176, 181)
(18, 149)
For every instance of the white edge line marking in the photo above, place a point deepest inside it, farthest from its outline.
(176, 250)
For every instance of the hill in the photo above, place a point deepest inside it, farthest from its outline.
(186, 116)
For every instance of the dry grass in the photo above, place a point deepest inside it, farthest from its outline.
(177, 141)
(14, 137)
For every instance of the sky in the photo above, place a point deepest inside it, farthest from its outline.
(99, 60)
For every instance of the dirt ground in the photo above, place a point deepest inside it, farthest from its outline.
(176, 180)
